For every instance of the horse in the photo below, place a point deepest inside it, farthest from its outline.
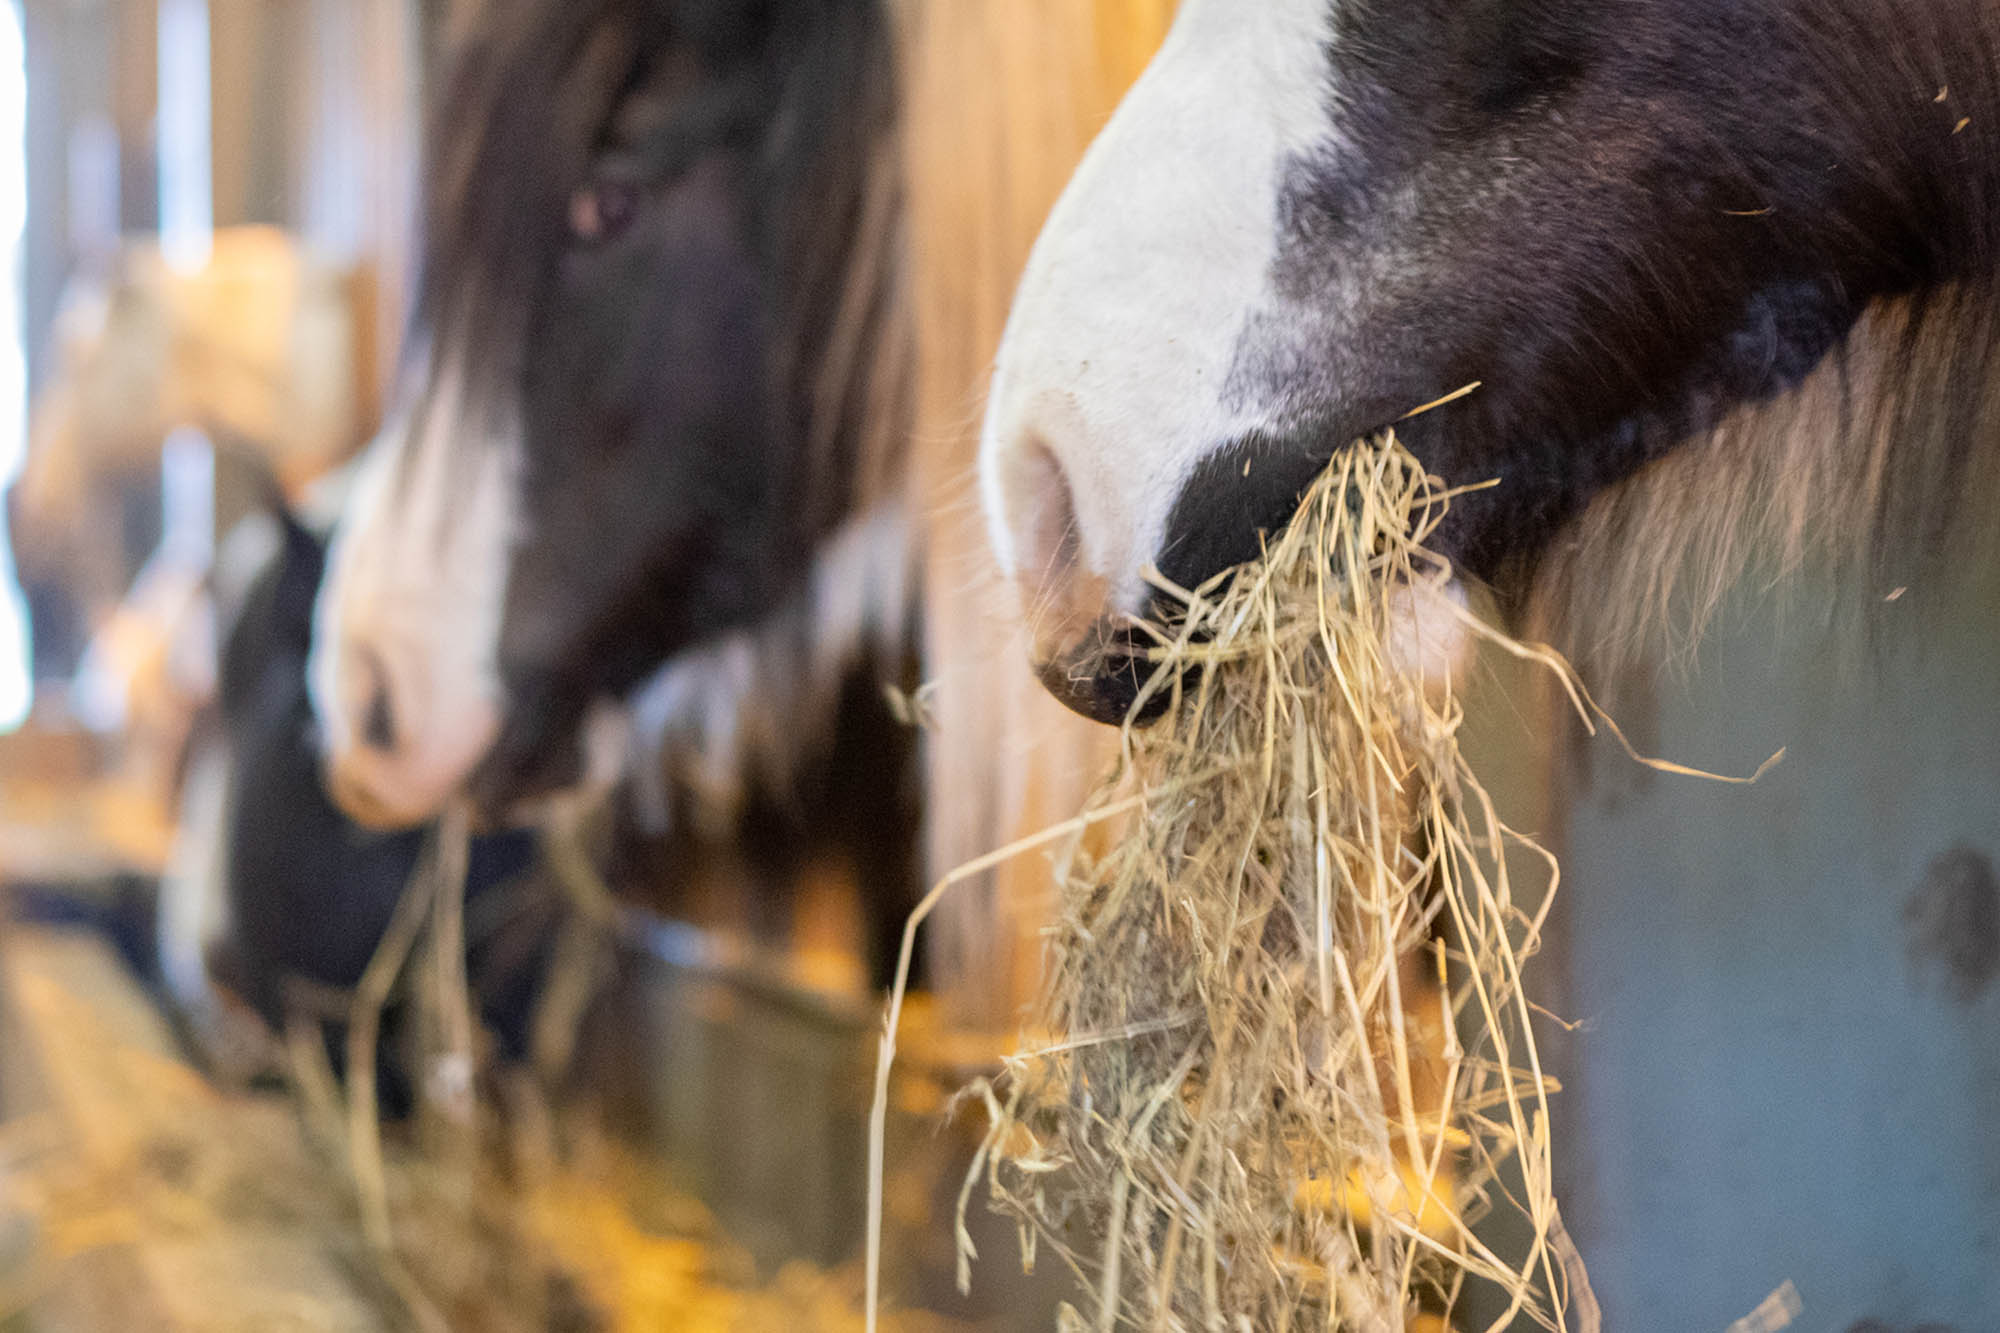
(654, 415)
(276, 899)
(1722, 270)
(261, 348)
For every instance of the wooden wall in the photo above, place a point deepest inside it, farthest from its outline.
(1004, 96)
(91, 94)
(359, 144)
(316, 123)
(316, 126)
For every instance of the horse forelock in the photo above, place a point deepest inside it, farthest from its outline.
(526, 111)
(527, 106)
(844, 335)
(510, 136)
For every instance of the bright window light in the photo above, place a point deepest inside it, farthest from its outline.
(16, 688)
(187, 201)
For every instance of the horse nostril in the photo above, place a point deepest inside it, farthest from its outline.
(378, 723)
(1044, 517)
(1063, 598)
(378, 714)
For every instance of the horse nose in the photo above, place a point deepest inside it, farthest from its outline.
(364, 759)
(1038, 519)
(378, 714)
(1102, 674)
(1087, 653)
(399, 739)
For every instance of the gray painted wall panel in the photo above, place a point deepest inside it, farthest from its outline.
(1774, 1082)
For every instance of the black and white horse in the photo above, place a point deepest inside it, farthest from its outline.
(275, 895)
(656, 414)
(1724, 270)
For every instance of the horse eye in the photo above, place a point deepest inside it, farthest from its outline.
(600, 212)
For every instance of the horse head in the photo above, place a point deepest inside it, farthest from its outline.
(1622, 219)
(659, 249)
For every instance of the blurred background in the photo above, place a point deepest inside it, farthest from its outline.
(255, 1073)
(209, 215)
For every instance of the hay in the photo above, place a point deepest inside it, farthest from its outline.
(1293, 1061)
(223, 1209)
(1241, 1107)
(501, 1213)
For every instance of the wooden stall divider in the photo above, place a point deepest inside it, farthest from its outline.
(1003, 96)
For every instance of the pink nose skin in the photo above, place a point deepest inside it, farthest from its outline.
(1087, 654)
(358, 802)
(400, 747)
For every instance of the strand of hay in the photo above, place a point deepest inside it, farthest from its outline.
(508, 1217)
(364, 1029)
(1293, 1060)
(432, 904)
(1240, 1110)
(583, 956)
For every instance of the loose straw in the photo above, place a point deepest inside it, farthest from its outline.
(1293, 1056)
(434, 896)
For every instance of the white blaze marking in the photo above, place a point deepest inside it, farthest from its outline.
(414, 595)
(1127, 318)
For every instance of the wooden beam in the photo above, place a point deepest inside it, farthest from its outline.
(360, 131)
(254, 53)
(1003, 97)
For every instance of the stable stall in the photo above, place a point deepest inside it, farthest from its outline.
(1341, 998)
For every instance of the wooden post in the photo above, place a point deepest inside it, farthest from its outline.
(135, 99)
(1003, 96)
(254, 57)
(360, 127)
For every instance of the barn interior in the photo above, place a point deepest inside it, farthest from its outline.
(610, 1062)
(215, 214)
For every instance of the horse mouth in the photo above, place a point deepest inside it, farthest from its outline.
(365, 805)
(1104, 674)
(536, 755)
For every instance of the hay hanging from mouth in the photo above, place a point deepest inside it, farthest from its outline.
(1293, 1049)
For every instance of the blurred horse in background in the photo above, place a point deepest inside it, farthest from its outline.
(275, 901)
(262, 348)
(656, 413)
(262, 351)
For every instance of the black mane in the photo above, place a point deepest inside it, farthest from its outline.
(1871, 449)
(513, 134)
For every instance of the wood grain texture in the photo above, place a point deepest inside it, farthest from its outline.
(1003, 98)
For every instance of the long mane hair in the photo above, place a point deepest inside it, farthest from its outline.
(1882, 466)
(529, 88)
(1878, 472)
